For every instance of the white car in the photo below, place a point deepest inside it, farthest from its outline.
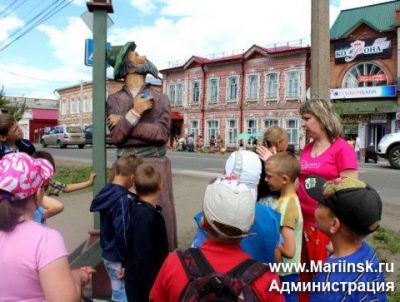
(63, 136)
(389, 148)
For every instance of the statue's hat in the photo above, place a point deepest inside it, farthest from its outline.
(116, 56)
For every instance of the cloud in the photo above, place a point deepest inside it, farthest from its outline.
(146, 7)
(7, 25)
(79, 2)
(346, 4)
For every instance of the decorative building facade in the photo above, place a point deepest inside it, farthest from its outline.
(243, 93)
(365, 69)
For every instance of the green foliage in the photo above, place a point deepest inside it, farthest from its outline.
(15, 110)
(73, 174)
(390, 238)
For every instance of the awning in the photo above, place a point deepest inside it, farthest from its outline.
(353, 107)
(176, 116)
(45, 114)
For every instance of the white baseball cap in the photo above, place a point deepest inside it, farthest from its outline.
(229, 203)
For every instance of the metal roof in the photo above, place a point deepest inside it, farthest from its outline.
(381, 17)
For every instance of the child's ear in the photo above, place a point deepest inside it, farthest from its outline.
(285, 179)
(335, 227)
(3, 138)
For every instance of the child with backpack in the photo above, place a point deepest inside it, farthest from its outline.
(114, 202)
(282, 170)
(347, 212)
(147, 242)
(11, 137)
(209, 273)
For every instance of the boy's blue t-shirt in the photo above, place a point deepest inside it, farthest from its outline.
(362, 255)
(264, 234)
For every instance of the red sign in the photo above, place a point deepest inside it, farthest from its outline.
(372, 78)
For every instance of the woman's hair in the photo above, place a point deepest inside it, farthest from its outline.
(273, 135)
(11, 210)
(323, 111)
(6, 122)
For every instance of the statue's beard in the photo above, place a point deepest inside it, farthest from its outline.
(144, 69)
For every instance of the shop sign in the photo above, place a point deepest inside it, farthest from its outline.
(372, 78)
(370, 48)
(378, 118)
(363, 92)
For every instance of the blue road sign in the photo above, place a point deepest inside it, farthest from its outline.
(89, 51)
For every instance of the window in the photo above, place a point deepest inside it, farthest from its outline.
(212, 129)
(292, 126)
(78, 105)
(90, 105)
(251, 128)
(172, 94)
(85, 104)
(364, 75)
(232, 131)
(73, 106)
(252, 86)
(233, 88)
(194, 126)
(64, 107)
(270, 123)
(271, 86)
(195, 92)
(179, 92)
(292, 85)
(213, 90)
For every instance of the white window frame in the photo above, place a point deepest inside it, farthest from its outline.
(192, 100)
(267, 96)
(292, 140)
(228, 88)
(274, 120)
(179, 94)
(218, 129)
(64, 107)
(291, 96)
(90, 102)
(228, 131)
(172, 93)
(209, 100)
(72, 106)
(197, 132)
(85, 107)
(248, 98)
(251, 130)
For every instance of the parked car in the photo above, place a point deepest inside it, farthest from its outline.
(89, 135)
(63, 136)
(389, 148)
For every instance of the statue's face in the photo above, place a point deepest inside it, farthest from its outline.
(140, 65)
(135, 59)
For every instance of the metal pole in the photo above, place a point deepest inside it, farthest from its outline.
(81, 106)
(99, 101)
(320, 49)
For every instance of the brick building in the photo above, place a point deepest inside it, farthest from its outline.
(243, 93)
(71, 111)
(365, 69)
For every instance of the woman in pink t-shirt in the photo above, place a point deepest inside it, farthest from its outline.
(328, 156)
(33, 258)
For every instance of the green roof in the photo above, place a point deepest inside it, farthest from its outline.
(381, 17)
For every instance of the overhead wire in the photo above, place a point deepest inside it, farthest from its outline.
(43, 19)
(14, 9)
(9, 6)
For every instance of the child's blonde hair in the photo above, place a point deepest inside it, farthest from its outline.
(286, 164)
(147, 179)
(126, 165)
(273, 136)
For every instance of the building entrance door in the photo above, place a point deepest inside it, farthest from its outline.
(377, 131)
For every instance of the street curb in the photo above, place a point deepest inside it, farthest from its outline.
(67, 160)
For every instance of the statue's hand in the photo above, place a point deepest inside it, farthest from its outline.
(112, 120)
(142, 104)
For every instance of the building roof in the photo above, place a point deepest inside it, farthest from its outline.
(32, 103)
(236, 57)
(380, 17)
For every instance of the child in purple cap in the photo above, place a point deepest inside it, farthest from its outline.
(33, 258)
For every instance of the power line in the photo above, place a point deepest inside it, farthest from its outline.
(9, 6)
(42, 20)
(14, 9)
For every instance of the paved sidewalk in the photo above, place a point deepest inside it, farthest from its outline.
(76, 220)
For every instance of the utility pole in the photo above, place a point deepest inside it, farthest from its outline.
(99, 8)
(320, 49)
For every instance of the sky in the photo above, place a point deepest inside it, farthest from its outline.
(51, 55)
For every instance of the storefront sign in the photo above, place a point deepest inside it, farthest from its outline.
(370, 48)
(364, 92)
(378, 118)
(372, 78)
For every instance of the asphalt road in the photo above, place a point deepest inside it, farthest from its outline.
(380, 176)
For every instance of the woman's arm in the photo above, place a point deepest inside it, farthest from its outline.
(349, 173)
(58, 283)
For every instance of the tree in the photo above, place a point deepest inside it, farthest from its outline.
(14, 109)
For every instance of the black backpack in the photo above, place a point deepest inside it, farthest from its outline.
(207, 285)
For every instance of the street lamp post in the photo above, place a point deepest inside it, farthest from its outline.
(320, 48)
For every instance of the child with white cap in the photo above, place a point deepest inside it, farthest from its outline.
(244, 167)
(229, 211)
